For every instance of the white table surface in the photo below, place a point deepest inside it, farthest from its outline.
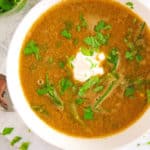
(12, 119)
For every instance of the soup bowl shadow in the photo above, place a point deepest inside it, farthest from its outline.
(37, 125)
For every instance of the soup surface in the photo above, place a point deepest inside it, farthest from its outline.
(85, 67)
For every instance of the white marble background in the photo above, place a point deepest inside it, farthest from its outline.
(8, 25)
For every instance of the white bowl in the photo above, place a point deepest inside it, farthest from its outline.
(39, 127)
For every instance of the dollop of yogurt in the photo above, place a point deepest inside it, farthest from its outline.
(84, 67)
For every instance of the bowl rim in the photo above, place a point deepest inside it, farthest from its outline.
(33, 121)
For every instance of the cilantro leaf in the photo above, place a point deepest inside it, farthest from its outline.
(83, 22)
(32, 48)
(65, 84)
(24, 146)
(7, 131)
(87, 51)
(79, 101)
(88, 113)
(129, 55)
(96, 41)
(139, 58)
(101, 26)
(88, 84)
(62, 64)
(49, 89)
(66, 34)
(130, 4)
(129, 91)
(92, 41)
(15, 140)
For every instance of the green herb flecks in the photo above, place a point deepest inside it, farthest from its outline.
(139, 58)
(82, 24)
(15, 140)
(65, 83)
(79, 101)
(87, 51)
(104, 96)
(41, 109)
(32, 49)
(102, 25)
(130, 5)
(148, 96)
(88, 84)
(24, 146)
(129, 91)
(70, 60)
(134, 45)
(49, 89)
(96, 41)
(7, 131)
(113, 58)
(88, 113)
(62, 64)
(66, 34)
(129, 55)
(99, 88)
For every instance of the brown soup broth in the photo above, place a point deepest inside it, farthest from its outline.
(102, 105)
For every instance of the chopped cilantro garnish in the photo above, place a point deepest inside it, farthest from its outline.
(129, 55)
(92, 41)
(129, 91)
(78, 28)
(62, 64)
(79, 101)
(24, 146)
(130, 4)
(88, 84)
(65, 33)
(88, 113)
(148, 96)
(49, 89)
(101, 26)
(87, 51)
(32, 48)
(7, 131)
(83, 22)
(96, 41)
(15, 140)
(65, 83)
(139, 58)
(70, 60)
